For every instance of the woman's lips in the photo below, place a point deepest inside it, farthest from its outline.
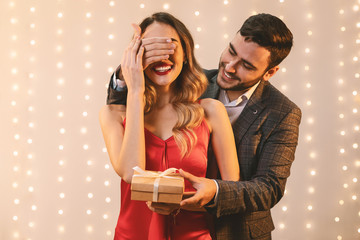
(162, 69)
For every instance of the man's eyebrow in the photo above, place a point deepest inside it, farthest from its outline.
(232, 48)
(245, 61)
(174, 40)
(249, 63)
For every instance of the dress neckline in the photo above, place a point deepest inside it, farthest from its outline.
(156, 136)
(169, 138)
(153, 134)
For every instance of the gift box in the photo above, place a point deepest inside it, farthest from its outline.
(166, 187)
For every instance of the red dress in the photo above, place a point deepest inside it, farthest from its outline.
(137, 222)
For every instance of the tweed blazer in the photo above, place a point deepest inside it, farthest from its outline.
(266, 136)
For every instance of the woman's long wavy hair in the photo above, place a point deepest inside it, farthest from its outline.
(187, 88)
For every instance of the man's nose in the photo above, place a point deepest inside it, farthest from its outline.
(230, 67)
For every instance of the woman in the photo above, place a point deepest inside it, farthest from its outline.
(163, 126)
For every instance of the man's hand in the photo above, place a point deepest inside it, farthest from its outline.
(162, 208)
(206, 190)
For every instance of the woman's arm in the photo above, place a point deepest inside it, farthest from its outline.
(126, 148)
(222, 140)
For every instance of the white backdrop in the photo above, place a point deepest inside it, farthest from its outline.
(56, 57)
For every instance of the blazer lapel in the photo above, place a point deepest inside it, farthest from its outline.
(250, 113)
(212, 91)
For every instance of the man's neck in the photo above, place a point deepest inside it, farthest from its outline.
(233, 95)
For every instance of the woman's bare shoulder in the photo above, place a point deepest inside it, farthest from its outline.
(215, 112)
(113, 111)
(211, 106)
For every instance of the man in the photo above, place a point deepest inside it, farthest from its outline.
(265, 124)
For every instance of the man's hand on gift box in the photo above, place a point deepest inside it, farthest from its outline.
(206, 190)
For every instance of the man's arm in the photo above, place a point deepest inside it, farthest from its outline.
(117, 92)
(267, 186)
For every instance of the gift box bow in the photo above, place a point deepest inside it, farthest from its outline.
(157, 176)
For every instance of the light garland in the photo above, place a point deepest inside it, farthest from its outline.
(56, 57)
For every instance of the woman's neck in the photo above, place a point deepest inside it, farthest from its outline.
(164, 96)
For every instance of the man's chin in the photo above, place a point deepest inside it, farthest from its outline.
(224, 85)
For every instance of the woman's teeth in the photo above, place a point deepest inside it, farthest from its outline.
(162, 69)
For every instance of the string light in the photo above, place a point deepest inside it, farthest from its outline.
(72, 126)
(281, 225)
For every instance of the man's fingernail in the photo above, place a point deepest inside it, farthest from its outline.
(168, 40)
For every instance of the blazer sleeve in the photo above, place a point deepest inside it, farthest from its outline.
(114, 96)
(267, 185)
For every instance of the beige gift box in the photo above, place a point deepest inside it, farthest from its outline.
(166, 187)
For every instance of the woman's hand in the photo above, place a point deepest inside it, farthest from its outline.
(132, 66)
(155, 48)
(163, 208)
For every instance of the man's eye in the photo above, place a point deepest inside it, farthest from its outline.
(231, 52)
(247, 66)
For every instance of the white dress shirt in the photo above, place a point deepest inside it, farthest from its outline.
(235, 107)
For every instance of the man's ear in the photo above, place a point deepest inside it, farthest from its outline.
(270, 73)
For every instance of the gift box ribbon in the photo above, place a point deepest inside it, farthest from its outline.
(157, 176)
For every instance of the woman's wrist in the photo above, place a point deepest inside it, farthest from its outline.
(136, 93)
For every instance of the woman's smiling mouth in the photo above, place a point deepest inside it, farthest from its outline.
(162, 69)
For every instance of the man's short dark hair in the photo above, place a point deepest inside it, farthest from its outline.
(271, 33)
